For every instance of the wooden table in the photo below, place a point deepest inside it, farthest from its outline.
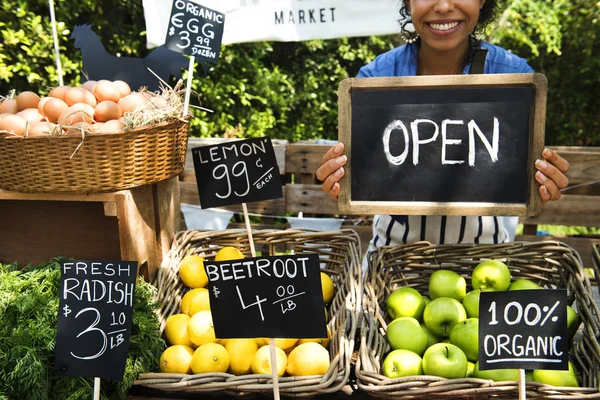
(131, 225)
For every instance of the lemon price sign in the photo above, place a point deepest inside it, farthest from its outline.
(94, 318)
(274, 296)
(523, 329)
(236, 172)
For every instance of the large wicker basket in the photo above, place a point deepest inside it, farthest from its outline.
(100, 162)
(339, 256)
(550, 264)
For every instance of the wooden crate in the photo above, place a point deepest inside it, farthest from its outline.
(133, 225)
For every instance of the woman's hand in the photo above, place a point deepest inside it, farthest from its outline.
(551, 175)
(332, 170)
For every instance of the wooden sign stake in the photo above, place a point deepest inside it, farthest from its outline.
(522, 389)
(188, 87)
(55, 37)
(96, 388)
(271, 340)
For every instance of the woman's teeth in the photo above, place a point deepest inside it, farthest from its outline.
(444, 27)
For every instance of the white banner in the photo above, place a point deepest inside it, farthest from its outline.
(285, 20)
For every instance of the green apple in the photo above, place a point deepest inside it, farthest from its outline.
(470, 369)
(446, 283)
(400, 363)
(406, 333)
(528, 375)
(431, 338)
(556, 378)
(427, 300)
(465, 335)
(524, 284)
(497, 375)
(573, 320)
(490, 275)
(471, 303)
(405, 302)
(445, 360)
(442, 314)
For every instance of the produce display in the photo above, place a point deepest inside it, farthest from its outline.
(94, 107)
(194, 348)
(29, 302)
(438, 335)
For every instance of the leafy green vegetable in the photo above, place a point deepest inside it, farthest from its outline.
(29, 314)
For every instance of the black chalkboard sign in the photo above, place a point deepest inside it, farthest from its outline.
(523, 329)
(195, 30)
(450, 145)
(276, 296)
(94, 318)
(236, 172)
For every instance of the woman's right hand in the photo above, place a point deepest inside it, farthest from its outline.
(332, 170)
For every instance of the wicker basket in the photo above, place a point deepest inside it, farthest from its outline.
(339, 256)
(550, 264)
(100, 162)
(596, 263)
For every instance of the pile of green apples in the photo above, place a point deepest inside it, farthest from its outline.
(438, 335)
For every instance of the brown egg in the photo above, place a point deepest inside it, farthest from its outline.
(41, 104)
(27, 99)
(107, 110)
(106, 90)
(42, 128)
(80, 112)
(2, 115)
(159, 102)
(53, 108)
(13, 123)
(58, 92)
(122, 87)
(9, 106)
(130, 102)
(89, 86)
(31, 115)
(75, 95)
(113, 125)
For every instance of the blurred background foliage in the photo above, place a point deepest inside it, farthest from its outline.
(288, 90)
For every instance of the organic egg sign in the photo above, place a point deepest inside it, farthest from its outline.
(195, 30)
(442, 145)
(277, 296)
(94, 318)
(236, 172)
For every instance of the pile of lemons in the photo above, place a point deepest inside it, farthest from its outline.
(194, 348)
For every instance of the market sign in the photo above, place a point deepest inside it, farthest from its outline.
(285, 20)
(442, 145)
(236, 172)
(523, 329)
(275, 297)
(94, 318)
(195, 30)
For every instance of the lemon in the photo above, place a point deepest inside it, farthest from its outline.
(210, 357)
(201, 329)
(228, 253)
(261, 362)
(192, 273)
(261, 341)
(176, 330)
(322, 341)
(241, 352)
(176, 359)
(308, 359)
(285, 344)
(327, 288)
(195, 300)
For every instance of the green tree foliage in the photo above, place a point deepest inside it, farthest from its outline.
(289, 90)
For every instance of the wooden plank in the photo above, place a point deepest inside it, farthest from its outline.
(167, 215)
(583, 246)
(584, 163)
(304, 158)
(279, 147)
(309, 199)
(570, 210)
(189, 195)
(9, 195)
(36, 231)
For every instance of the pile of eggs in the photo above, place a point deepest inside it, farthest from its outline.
(95, 106)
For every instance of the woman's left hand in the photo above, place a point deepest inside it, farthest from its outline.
(551, 175)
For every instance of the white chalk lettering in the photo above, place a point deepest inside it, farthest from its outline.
(94, 291)
(447, 142)
(278, 267)
(492, 149)
(505, 346)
